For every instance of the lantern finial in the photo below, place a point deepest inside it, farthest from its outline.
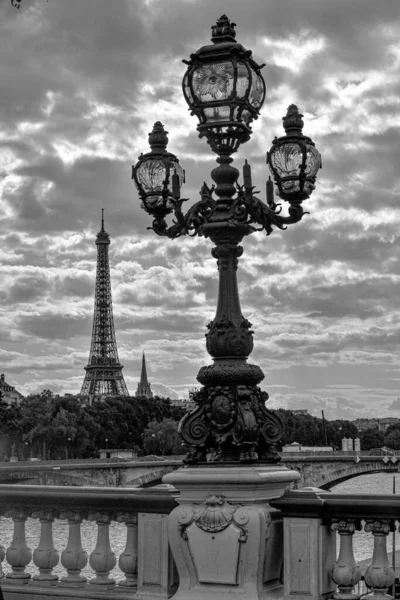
(223, 31)
(158, 138)
(293, 122)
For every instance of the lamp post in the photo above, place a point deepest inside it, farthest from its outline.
(224, 88)
(217, 534)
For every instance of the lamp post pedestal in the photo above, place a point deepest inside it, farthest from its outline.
(221, 535)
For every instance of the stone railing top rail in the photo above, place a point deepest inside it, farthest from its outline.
(85, 464)
(317, 503)
(332, 456)
(156, 500)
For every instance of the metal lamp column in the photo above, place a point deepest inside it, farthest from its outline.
(219, 533)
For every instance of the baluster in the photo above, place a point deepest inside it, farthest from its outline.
(345, 573)
(379, 576)
(45, 556)
(74, 557)
(2, 555)
(128, 560)
(102, 559)
(18, 554)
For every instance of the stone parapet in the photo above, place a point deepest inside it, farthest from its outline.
(146, 565)
(312, 519)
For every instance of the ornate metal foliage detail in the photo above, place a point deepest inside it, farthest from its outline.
(213, 516)
(224, 338)
(231, 423)
(190, 223)
(246, 209)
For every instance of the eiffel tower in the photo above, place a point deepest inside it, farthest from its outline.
(104, 371)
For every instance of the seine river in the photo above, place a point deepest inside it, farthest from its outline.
(379, 483)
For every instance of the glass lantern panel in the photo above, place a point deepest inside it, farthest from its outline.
(256, 91)
(246, 117)
(308, 187)
(151, 175)
(186, 88)
(243, 80)
(213, 81)
(217, 113)
(313, 161)
(287, 159)
(290, 186)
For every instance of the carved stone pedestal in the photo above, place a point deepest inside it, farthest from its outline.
(223, 535)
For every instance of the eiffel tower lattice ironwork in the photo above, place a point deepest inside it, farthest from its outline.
(104, 371)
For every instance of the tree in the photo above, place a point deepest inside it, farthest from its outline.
(371, 438)
(162, 438)
(392, 437)
(57, 427)
(338, 429)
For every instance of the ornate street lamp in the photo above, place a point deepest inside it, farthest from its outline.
(224, 88)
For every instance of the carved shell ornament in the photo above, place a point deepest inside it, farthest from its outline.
(216, 514)
(213, 516)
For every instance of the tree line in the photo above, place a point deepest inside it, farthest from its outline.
(312, 431)
(50, 427)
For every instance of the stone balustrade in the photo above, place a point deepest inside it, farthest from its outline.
(315, 525)
(312, 520)
(146, 565)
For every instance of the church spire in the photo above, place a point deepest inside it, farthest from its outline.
(144, 388)
(143, 375)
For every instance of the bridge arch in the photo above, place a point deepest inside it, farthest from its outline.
(152, 478)
(331, 478)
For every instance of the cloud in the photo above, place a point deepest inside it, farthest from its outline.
(82, 85)
(395, 405)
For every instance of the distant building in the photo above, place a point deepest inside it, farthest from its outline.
(185, 403)
(143, 388)
(300, 411)
(296, 447)
(9, 393)
(363, 424)
(124, 453)
(385, 422)
(382, 424)
(293, 447)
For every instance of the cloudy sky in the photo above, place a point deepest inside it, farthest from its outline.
(83, 81)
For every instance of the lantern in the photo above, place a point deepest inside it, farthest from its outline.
(158, 175)
(224, 88)
(293, 160)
